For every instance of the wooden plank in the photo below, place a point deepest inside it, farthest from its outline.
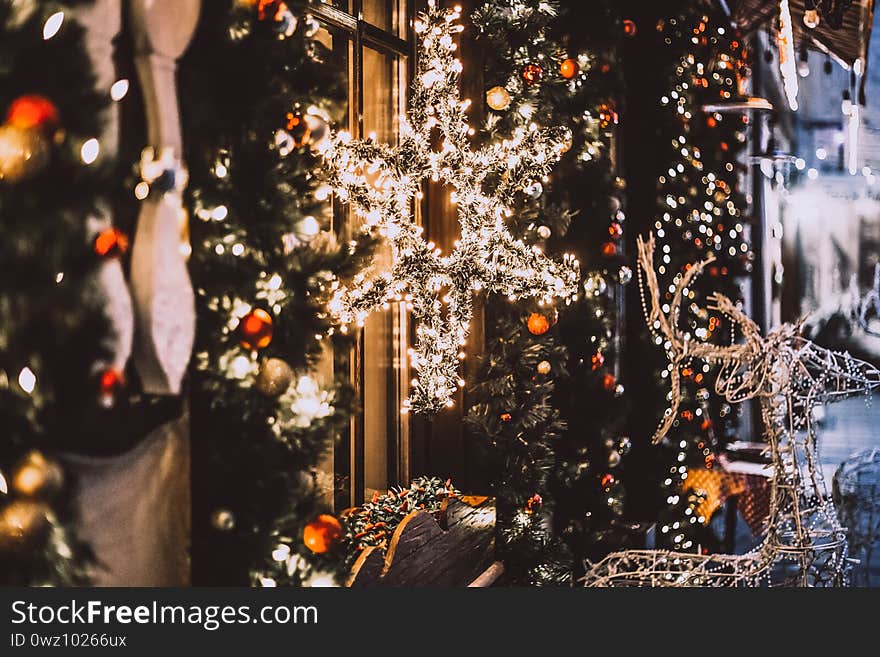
(488, 576)
(451, 559)
(367, 569)
(422, 553)
(455, 510)
(415, 531)
(442, 564)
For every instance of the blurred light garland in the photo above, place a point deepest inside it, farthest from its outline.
(381, 182)
(787, 61)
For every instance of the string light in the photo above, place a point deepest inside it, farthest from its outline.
(381, 181)
(52, 25)
(89, 151)
(119, 90)
(27, 380)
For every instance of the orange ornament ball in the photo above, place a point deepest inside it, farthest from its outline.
(538, 324)
(111, 242)
(267, 8)
(608, 382)
(568, 68)
(609, 249)
(629, 27)
(27, 112)
(322, 533)
(255, 329)
(505, 417)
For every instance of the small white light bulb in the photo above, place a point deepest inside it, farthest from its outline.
(52, 25)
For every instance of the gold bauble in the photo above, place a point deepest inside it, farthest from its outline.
(37, 476)
(22, 522)
(223, 520)
(544, 367)
(498, 98)
(274, 377)
(23, 153)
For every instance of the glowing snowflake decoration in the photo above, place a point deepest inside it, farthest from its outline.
(380, 182)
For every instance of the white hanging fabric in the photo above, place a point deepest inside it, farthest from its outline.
(134, 509)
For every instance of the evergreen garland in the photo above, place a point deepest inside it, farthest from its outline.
(261, 91)
(547, 396)
(51, 330)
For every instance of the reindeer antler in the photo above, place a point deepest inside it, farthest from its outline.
(665, 325)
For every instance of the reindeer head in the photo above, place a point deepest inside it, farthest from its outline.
(819, 374)
(784, 361)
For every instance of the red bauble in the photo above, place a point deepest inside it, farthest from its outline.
(532, 73)
(27, 112)
(505, 417)
(608, 382)
(597, 360)
(538, 324)
(629, 27)
(111, 242)
(322, 533)
(609, 249)
(255, 329)
(711, 121)
(109, 385)
(111, 380)
(568, 68)
(268, 8)
(607, 480)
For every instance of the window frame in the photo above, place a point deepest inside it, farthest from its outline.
(349, 451)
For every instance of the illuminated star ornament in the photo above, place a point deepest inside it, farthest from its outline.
(381, 183)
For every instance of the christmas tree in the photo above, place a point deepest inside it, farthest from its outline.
(53, 354)
(262, 89)
(548, 394)
(700, 208)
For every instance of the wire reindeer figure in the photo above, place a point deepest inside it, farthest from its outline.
(804, 543)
